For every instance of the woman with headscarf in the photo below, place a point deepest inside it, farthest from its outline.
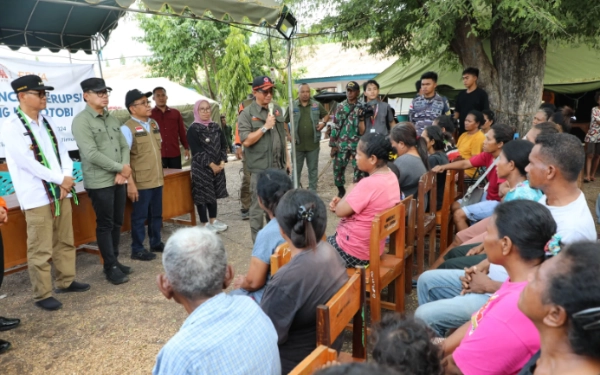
(209, 155)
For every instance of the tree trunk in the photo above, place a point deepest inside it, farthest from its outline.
(470, 51)
(520, 64)
(514, 79)
(210, 90)
(214, 69)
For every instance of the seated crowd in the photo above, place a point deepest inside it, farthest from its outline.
(503, 300)
(514, 293)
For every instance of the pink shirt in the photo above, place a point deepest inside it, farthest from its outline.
(371, 196)
(486, 159)
(501, 339)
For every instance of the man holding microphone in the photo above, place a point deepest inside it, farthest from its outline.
(262, 133)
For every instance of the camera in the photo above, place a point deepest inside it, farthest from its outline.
(365, 110)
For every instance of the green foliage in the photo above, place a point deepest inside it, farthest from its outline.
(185, 50)
(234, 74)
(419, 28)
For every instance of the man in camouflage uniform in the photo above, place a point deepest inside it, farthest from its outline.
(427, 106)
(345, 135)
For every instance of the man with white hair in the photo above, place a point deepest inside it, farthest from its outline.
(223, 334)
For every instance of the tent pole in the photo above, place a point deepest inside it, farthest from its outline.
(291, 112)
(98, 55)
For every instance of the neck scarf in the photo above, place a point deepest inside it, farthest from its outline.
(197, 113)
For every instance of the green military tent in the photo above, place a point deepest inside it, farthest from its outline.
(569, 70)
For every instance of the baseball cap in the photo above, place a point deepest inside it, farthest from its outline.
(352, 85)
(94, 84)
(29, 82)
(133, 95)
(262, 82)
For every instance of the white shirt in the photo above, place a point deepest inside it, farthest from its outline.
(574, 222)
(26, 172)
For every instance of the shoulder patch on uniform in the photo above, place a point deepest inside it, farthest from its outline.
(276, 112)
(315, 104)
(254, 118)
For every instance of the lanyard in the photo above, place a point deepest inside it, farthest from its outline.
(375, 115)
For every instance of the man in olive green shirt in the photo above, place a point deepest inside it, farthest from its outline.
(262, 133)
(105, 166)
(309, 119)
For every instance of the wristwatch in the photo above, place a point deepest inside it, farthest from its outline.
(263, 129)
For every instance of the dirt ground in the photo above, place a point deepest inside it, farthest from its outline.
(120, 329)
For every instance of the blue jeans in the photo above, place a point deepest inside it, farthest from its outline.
(479, 211)
(148, 207)
(440, 304)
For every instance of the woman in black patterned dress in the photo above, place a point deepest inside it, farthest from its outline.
(209, 155)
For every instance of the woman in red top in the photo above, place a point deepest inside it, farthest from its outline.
(495, 139)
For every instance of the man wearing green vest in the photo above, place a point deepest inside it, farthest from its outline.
(145, 185)
(309, 119)
(262, 133)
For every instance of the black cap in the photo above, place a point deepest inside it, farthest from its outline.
(94, 84)
(29, 82)
(352, 85)
(262, 82)
(133, 95)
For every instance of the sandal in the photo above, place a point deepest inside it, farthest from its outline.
(586, 180)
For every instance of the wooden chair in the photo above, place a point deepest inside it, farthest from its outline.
(443, 217)
(426, 224)
(348, 303)
(410, 205)
(387, 269)
(315, 361)
(280, 257)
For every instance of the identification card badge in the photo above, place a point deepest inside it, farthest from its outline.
(372, 130)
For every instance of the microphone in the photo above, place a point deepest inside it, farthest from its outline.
(271, 108)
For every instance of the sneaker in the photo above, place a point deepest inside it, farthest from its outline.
(115, 275)
(210, 227)
(158, 249)
(49, 304)
(245, 215)
(74, 287)
(143, 255)
(221, 226)
(126, 270)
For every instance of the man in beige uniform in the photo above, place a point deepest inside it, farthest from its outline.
(145, 185)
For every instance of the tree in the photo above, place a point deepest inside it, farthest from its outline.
(235, 73)
(518, 32)
(182, 48)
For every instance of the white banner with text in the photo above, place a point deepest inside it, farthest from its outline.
(63, 103)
